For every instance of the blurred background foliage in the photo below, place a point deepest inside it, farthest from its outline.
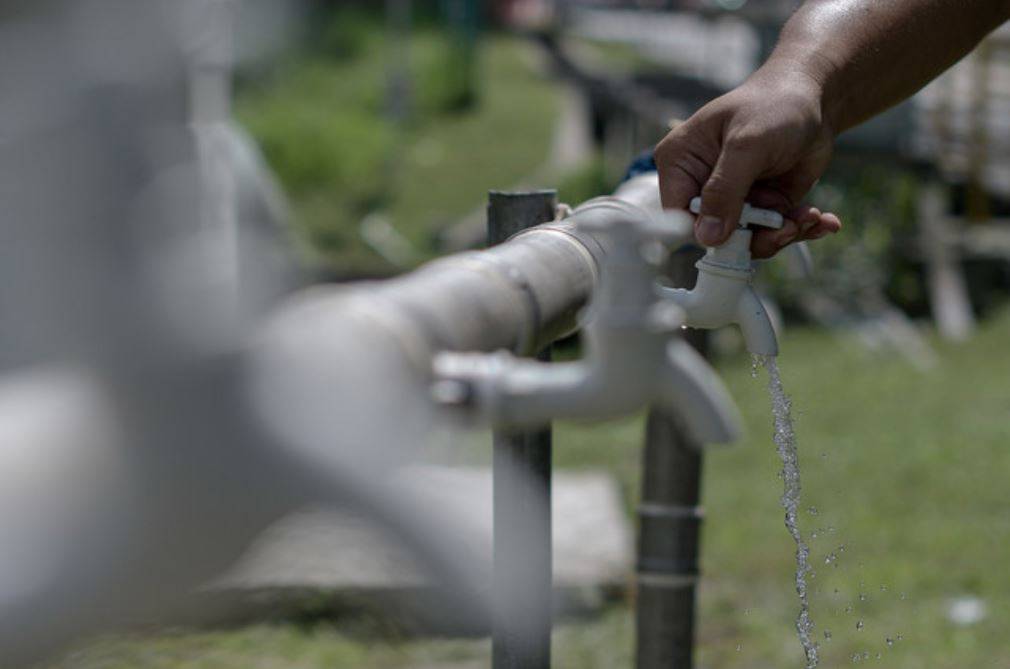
(324, 117)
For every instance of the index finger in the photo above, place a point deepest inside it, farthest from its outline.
(682, 173)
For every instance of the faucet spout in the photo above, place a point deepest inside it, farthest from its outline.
(755, 324)
(723, 295)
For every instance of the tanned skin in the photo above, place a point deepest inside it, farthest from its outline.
(837, 63)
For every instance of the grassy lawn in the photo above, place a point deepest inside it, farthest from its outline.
(908, 470)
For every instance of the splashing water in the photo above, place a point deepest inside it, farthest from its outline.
(785, 443)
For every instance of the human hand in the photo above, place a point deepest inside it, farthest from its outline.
(765, 143)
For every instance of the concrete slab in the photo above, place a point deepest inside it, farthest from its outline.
(322, 552)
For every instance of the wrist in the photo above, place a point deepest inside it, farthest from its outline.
(810, 81)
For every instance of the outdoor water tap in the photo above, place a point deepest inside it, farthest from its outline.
(634, 357)
(723, 293)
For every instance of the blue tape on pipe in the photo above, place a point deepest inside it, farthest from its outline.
(642, 164)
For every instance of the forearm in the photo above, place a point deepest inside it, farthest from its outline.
(867, 55)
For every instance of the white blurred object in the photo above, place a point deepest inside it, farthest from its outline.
(966, 611)
(62, 471)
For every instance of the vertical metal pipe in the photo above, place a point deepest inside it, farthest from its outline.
(521, 626)
(669, 528)
(399, 100)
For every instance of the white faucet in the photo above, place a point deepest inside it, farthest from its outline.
(634, 358)
(723, 293)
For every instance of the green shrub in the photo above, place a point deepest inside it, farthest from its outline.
(585, 183)
(345, 32)
(312, 148)
(322, 125)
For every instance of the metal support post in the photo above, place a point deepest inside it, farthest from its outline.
(669, 528)
(521, 626)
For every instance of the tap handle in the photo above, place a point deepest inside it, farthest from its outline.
(766, 218)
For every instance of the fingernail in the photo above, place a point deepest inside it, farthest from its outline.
(709, 230)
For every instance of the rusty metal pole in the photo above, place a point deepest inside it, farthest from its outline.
(521, 624)
(669, 527)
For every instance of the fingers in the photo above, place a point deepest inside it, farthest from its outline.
(801, 223)
(699, 156)
(723, 195)
(727, 157)
(766, 243)
(829, 225)
(683, 168)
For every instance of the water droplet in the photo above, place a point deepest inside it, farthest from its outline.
(859, 624)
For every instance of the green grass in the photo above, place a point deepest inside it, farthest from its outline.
(907, 469)
(320, 119)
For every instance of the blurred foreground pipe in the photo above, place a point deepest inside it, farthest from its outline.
(521, 625)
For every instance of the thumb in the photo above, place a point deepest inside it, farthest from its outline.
(723, 196)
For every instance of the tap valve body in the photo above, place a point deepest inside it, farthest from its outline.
(723, 294)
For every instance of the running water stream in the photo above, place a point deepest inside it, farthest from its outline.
(785, 443)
